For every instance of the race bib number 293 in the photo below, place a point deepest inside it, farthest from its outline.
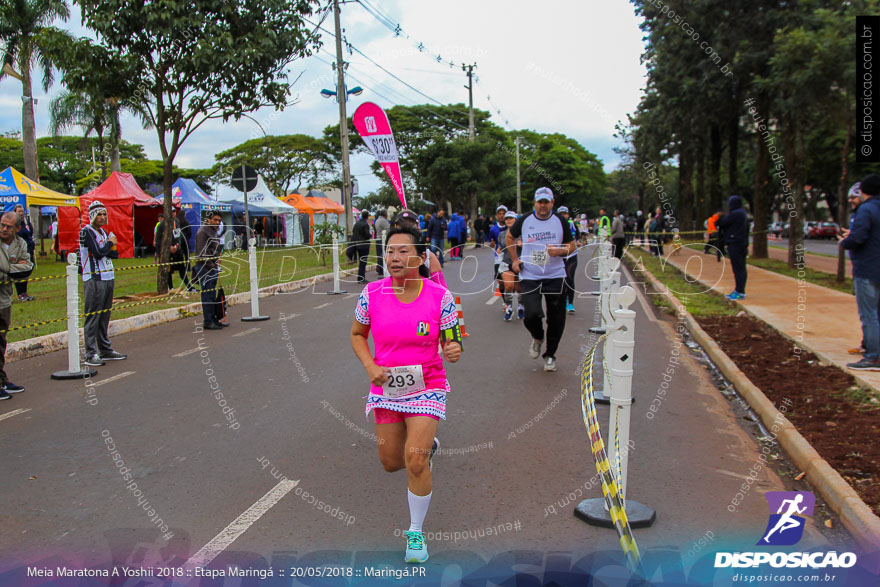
(404, 380)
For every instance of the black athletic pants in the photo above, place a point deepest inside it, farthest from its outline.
(571, 265)
(737, 254)
(553, 293)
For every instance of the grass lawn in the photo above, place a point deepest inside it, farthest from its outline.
(136, 284)
(697, 298)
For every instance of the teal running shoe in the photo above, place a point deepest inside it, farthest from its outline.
(416, 549)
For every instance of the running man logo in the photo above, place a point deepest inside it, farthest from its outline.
(786, 525)
(422, 329)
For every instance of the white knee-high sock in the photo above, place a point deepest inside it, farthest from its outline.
(418, 508)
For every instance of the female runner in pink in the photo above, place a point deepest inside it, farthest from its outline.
(408, 315)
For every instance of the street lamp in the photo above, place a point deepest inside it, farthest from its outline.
(343, 133)
(355, 91)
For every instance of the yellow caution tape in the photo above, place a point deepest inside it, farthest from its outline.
(112, 309)
(610, 487)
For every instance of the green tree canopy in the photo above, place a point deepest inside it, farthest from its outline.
(287, 162)
(198, 60)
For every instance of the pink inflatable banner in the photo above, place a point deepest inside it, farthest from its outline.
(372, 124)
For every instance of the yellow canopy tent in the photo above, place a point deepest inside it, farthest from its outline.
(15, 188)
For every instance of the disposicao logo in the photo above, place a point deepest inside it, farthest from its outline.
(786, 526)
(788, 518)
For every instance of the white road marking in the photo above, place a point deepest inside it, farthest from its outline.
(115, 377)
(352, 295)
(732, 474)
(15, 413)
(637, 285)
(190, 351)
(286, 317)
(240, 525)
(492, 300)
(322, 306)
(248, 331)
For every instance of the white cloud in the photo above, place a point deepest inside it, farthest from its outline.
(564, 66)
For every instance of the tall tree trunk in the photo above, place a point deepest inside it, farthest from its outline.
(115, 135)
(28, 133)
(103, 154)
(165, 245)
(792, 166)
(715, 149)
(761, 208)
(685, 188)
(733, 150)
(701, 202)
(842, 202)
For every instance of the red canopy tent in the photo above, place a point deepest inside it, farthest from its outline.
(129, 209)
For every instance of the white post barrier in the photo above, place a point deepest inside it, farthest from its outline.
(336, 289)
(74, 367)
(618, 358)
(609, 301)
(255, 293)
(618, 355)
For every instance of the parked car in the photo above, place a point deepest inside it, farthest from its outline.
(811, 229)
(828, 230)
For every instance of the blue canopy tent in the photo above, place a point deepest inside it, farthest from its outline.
(195, 202)
(238, 219)
(238, 209)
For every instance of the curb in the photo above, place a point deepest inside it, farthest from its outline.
(41, 345)
(855, 515)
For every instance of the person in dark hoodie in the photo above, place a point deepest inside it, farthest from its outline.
(735, 228)
(863, 242)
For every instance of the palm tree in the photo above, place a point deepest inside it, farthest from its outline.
(23, 25)
(92, 114)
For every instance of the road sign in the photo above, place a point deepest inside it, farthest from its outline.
(244, 178)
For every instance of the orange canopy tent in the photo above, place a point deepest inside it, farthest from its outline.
(121, 195)
(306, 206)
(326, 204)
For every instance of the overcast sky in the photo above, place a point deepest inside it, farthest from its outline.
(562, 66)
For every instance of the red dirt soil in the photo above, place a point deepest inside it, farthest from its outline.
(840, 421)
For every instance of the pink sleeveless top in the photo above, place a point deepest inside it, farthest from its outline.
(408, 334)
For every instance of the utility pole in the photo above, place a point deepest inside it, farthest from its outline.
(341, 96)
(518, 182)
(470, 88)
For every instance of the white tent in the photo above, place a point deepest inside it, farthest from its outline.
(261, 196)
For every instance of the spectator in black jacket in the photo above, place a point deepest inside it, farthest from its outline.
(863, 243)
(437, 234)
(179, 245)
(479, 224)
(207, 268)
(657, 228)
(363, 235)
(735, 228)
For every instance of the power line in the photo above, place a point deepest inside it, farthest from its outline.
(398, 31)
(352, 48)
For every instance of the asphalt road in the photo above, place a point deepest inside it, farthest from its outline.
(239, 487)
(812, 245)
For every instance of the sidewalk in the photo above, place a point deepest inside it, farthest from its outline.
(821, 320)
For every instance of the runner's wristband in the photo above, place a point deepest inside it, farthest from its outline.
(452, 335)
